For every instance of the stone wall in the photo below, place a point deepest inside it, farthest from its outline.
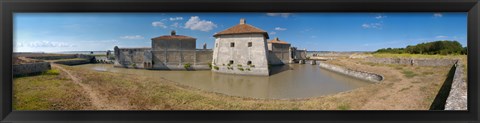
(131, 57)
(413, 61)
(54, 57)
(241, 54)
(457, 98)
(278, 54)
(299, 54)
(203, 57)
(30, 68)
(357, 74)
(172, 59)
(74, 62)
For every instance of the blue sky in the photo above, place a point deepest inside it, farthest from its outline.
(54, 32)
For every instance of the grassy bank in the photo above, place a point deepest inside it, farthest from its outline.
(462, 58)
(131, 92)
(48, 91)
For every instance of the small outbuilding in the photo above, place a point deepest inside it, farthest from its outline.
(279, 52)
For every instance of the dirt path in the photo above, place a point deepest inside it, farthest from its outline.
(97, 101)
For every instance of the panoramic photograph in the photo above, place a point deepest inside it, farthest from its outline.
(240, 61)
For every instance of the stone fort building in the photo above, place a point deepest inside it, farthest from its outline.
(279, 52)
(242, 49)
(168, 52)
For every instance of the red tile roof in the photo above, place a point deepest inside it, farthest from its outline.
(168, 37)
(242, 28)
(173, 35)
(277, 41)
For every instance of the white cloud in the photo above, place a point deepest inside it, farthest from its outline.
(44, 44)
(131, 37)
(176, 18)
(158, 24)
(437, 15)
(175, 25)
(372, 25)
(441, 36)
(273, 33)
(280, 29)
(285, 15)
(194, 23)
(380, 17)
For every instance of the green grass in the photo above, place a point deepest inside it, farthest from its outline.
(74, 59)
(343, 107)
(47, 91)
(51, 72)
(409, 74)
(98, 55)
(427, 73)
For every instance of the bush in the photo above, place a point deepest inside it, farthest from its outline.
(187, 65)
(247, 69)
(252, 65)
(241, 69)
(51, 72)
(239, 65)
(210, 65)
(215, 67)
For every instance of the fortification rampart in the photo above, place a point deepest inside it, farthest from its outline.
(413, 61)
(30, 68)
(457, 98)
(353, 73)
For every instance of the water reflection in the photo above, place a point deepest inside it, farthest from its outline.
(289, 81)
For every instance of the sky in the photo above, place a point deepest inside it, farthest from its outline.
(57, 32)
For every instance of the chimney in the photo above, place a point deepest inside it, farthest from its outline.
(204, 46)
(276, 39)
(243, 21)
(173, 32)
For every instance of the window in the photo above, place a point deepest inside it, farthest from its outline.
(232, 44)
(249, 62)
(231, 62)
(249, 44)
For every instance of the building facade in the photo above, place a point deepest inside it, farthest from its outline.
(279, 52)
(241, 49)
(168, 52)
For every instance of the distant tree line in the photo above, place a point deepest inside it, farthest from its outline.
(437, 47)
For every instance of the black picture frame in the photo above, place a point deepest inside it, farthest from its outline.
(8, 7)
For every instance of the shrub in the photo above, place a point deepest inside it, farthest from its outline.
(241, 69)
(210, 65)
(134, 65)
(215, 67)
(239, 65)
(344, 107)
(252, 65)
(51, 72)
(187, 65)
(247, 69)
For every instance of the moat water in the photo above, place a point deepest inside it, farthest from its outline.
(291, 81)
